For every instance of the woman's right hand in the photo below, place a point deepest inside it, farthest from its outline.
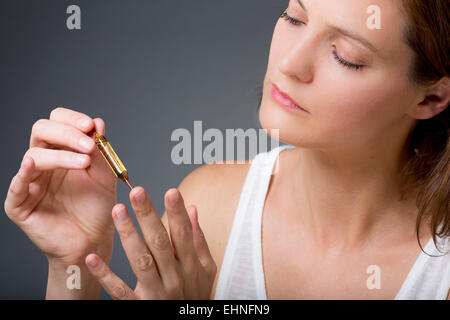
(64, 191)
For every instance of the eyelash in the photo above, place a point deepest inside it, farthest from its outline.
(342, 61)
(345, 63)
(290, 19)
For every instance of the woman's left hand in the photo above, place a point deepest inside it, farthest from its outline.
(179, 267)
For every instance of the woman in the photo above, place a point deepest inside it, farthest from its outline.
(343, 216)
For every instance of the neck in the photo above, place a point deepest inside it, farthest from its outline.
(352, 195)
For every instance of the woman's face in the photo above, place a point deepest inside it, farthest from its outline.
(347, 105)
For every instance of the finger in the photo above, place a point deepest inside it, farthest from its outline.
(96, 155)
(47, 159)
(99, 126)
(141, 260)
(105, 173)
(73, 118)
(181, 231)
(47, 132)
(200, 244)
(155, 235)
(112, 284)
(19, 187)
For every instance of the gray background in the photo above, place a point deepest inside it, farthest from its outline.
(146, 68)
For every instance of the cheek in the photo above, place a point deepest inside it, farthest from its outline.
(356, 106)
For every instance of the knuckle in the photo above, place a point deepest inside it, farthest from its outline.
(145, 211)
(13, 187)
(183, 231)
(67, 134)
(159, 240)
(125, 232)
(54, 112)
(119, 291)
(6, 208)
(144, 262)
(19, 176)
(28, 152)
(191, 268)
(13, 191)
(62, 156)
(175, 286)
(12, 217)
(31, 153)
(37, 126)
(212, 269)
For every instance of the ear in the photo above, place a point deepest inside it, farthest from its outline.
(435, 100)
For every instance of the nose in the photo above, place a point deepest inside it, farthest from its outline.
(298, 60)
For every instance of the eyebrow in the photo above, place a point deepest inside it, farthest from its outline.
(302, 5)
(347, 33)
(355, 36)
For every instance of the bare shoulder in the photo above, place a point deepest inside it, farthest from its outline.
(213, 186)
(213, 182)
(215, 191)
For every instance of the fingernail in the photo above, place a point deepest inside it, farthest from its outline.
(93, 261)
(173, 198)
(121, 215)
(80, 159)
(86, 143)
(84, 123)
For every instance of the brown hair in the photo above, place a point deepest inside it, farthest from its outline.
(427, 169)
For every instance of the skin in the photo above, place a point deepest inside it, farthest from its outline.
(65, 224)
(334, 200)
(77, 228)
(344, 173)
(351, 140)
(179, 267)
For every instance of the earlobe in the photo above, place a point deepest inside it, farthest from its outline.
(435, 101)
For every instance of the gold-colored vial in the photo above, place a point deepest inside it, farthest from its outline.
(111, 158)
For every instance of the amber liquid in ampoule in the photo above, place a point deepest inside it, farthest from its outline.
(111, 157)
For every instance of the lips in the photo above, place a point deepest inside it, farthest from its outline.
(284, 100)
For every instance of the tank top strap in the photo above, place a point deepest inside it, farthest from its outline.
(429, 278)
(241, 275)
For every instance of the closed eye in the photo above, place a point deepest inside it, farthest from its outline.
(339, 59)
(345, 63)
(291, 20)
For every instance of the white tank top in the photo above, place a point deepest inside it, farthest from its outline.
(241, 274)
